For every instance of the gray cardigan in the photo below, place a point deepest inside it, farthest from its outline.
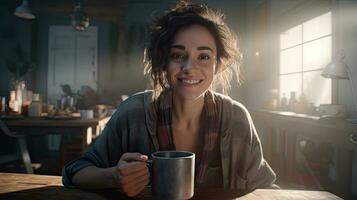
(132, 128)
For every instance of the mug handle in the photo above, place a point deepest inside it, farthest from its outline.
(149, 166)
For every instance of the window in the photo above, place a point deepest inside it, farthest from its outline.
(304, 51)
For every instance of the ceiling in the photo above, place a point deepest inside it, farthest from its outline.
(112, 10)
(108, 10)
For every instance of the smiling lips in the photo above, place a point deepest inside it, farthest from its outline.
(190, 82)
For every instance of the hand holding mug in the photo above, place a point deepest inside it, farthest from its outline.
(133, 174)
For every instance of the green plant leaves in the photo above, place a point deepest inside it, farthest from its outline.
(19, 66)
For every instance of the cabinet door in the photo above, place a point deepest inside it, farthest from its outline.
(86, 59)
(72, 60)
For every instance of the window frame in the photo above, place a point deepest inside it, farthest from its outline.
(311, 15)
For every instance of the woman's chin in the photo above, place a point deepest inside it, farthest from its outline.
(188, 95)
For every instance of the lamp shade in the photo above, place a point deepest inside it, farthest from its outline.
(24, 11)
(336, 69)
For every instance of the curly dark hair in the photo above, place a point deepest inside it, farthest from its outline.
(163, 30)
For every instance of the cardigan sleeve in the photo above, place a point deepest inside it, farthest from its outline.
(250, 169)
(104, 153)
(259, 173)
(126, 131)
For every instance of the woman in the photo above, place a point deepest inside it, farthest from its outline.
(190, 50)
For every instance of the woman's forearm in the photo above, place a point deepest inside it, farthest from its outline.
(96, 178)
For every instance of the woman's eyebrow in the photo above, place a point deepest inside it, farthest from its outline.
(205, 48)
(177, 46)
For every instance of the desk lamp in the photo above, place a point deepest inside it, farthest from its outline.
(337, 69)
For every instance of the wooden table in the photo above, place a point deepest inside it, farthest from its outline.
(40, 126)
(23, 127)
(25, 186)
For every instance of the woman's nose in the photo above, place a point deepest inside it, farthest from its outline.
(189, 64)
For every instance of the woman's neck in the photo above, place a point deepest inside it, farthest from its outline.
(187, 113)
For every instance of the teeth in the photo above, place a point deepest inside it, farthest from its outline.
(190, 81)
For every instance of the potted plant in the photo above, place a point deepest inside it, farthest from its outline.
(19, 66)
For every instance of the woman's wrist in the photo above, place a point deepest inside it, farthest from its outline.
(96, 178)
(113, 177)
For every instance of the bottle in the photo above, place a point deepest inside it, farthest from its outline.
(3, 105)
(23, 92)
(302, 104)
(18, 97)
(35, 108)
(292, 102)
(13, 104)
(24, 103)
(283, 102)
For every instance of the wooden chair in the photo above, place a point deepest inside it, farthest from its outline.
(21, 141)
(70, 151)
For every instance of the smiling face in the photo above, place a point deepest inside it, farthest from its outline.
(192, 62)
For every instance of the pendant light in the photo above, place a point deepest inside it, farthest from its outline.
(24, 11)
(79, 18)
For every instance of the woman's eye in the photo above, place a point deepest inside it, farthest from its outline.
(204, 57)
(177, 57)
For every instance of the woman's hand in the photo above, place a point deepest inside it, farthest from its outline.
(132, 173)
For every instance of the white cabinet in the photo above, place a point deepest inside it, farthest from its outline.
(72, 59)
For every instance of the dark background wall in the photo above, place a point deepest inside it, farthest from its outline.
(33, 35)
(13, 32)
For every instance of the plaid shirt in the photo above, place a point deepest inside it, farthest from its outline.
(133, 128)
(211, 128)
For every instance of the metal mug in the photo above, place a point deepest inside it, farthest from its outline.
(172, 175)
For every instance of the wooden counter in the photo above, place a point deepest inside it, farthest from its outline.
(282, 132)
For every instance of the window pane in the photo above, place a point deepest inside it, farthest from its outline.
(290, 83)
(316, 88)
(291, 60)
(317, 54)
(291, 37)
(317, 27)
